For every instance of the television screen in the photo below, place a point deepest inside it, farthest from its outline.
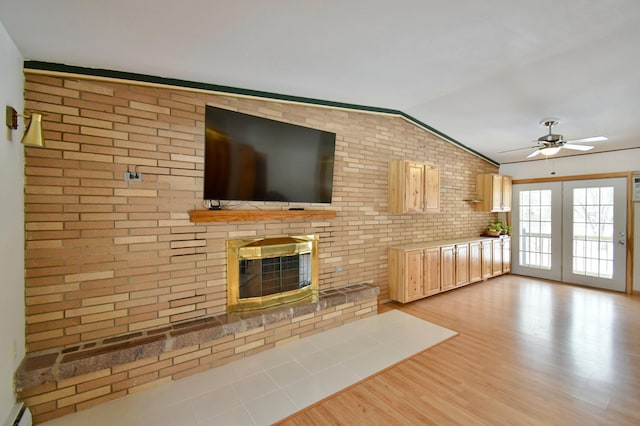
(251, 158)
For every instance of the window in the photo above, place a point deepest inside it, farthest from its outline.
(593, 232)
(535, 229)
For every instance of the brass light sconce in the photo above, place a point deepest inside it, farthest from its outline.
(33, 135)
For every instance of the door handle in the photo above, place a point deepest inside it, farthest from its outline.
(621, 240)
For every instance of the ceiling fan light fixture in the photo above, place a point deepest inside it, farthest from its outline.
(550, 150)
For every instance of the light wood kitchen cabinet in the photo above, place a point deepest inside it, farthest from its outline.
(447, 267)
(422, 269)
(506, 255)
(493, 192)
(414, 274)
(475, 261)
(497, 257)
(501, 262)
(487, 259)
(431, 265)
(413, 187)
(454, 265)
(462, 264)
(413, 268)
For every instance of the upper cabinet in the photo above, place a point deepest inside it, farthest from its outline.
(493, 192)
(413, 187)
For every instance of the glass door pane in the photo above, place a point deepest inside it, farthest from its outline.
(595, 242)
(537, 217)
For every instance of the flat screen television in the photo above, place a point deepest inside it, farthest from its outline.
(250, 158)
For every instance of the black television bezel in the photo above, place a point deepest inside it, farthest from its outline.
(254, 119)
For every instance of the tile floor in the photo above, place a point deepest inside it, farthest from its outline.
(271, 385)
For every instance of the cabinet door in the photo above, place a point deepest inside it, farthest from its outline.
(506, 255)
(475, 261)
(413, 275)
(431, 271)
(493, 192)
(496, 193)
(462, 264)
(432, 190)
(497, 257)
(487, 259)
(447, 267)
(414, 187)
(507, 189)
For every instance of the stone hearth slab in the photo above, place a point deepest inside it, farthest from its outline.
(39, 369)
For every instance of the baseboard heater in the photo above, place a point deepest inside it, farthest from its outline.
(19, 416)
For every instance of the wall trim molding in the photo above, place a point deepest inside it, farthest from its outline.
(50, 68)
(626, 175)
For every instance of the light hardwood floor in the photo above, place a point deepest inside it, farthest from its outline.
(529, 352)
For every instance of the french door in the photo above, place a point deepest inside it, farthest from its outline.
(572, 231)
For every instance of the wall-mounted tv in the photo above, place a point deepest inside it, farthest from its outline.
(249, 158)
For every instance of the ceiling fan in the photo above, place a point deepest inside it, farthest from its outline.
(551, 144)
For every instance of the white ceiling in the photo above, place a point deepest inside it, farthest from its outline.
(484, 72)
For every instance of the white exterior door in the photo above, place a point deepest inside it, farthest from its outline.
(594, 245)
(537, 223)
(573, 231)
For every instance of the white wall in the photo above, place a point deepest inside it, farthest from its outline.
(11, 224)
(608, 162)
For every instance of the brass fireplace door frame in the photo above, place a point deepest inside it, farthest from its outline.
(261, 248)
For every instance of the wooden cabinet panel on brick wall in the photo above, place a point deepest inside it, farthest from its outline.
(413, 274)
(413, 280)
(432, 190)
(493, 192)
(431, 273)
(487, 259)
(401, 272)
(475, 261)
(447, 267)
(419, 270)
(413, 187)
(462, 264)
(506, 255)
(497, 257)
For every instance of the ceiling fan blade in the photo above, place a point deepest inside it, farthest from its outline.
(591, 139)
(577, 147)
(534, 153)
(518, 149)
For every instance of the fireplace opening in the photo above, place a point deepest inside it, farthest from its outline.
(266, 272)
(262, 277)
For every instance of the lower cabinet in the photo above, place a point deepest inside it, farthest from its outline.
(497, 257)
(506, 255)
(447, 267)
(487, 258)
(475, 261)
(420, 270)
(462, 264)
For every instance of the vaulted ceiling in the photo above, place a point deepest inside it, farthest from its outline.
(483, 72)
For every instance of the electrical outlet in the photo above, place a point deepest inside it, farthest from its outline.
(132, 176)
(339, 268)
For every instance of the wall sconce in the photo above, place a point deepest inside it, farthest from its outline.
(33, 135)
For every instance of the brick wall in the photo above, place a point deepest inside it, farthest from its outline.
(105, 257)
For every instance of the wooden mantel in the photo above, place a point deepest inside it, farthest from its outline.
(258, 215)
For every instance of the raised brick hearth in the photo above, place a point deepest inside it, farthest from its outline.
(74, 378)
